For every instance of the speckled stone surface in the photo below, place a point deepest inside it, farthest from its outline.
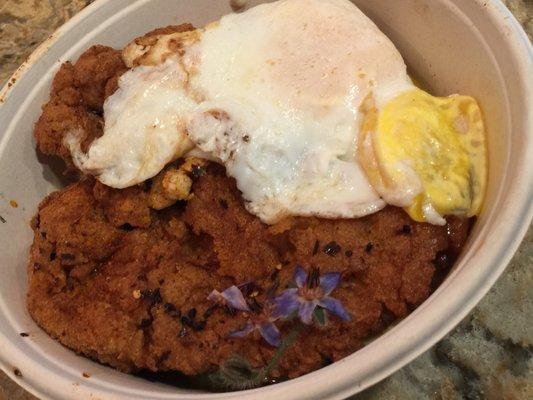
(488, 356)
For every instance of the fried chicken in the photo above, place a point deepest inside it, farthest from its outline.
(77, 96)
(123, 276)
(127, 285)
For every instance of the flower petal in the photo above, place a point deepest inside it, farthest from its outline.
(305, 311)
(334, 306)
(329, 281)
(270, 333)
(300, 276)
(235, 299)
(286, 303)
(244, 331)
(215, 296)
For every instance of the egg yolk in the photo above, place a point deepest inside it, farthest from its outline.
(426, 154)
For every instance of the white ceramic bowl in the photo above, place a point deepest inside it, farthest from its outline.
(473, 47)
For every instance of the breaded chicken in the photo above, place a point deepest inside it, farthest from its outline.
(78, 94)
(113, 279)
(123, 276)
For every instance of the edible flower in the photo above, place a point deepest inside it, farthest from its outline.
(311, 297)
(264, 323)
(231, 297)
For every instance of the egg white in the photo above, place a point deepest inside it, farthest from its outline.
(143, 128)
(274, 93)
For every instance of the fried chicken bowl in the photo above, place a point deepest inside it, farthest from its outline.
(284, 199)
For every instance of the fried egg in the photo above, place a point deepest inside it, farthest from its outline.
(309, 107)
(426, 154)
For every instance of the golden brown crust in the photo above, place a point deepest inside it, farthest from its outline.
(141, 50)
(58, 120)
(171, 185)
(110, 279)
(155, 46)
(93, 71)
(79, 91)
(76, 100)
(126, 206)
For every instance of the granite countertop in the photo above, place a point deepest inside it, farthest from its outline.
(488, 356)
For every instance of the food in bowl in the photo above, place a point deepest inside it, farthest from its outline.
(256, 199)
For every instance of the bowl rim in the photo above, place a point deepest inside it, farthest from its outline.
(335, 379)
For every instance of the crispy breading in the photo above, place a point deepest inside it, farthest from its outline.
(156, 46)
(112, 283)
(169, 186)
(76, 99)
(122, 276)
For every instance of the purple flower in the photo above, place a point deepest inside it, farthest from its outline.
(264, 323)
(232, 297)
(312, 291)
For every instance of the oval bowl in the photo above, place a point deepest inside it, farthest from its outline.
(473, 47)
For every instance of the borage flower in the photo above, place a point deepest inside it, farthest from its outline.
(231, 297)
(312, 291)
(264, 323)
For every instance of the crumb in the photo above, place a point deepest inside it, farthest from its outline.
(168, 187)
